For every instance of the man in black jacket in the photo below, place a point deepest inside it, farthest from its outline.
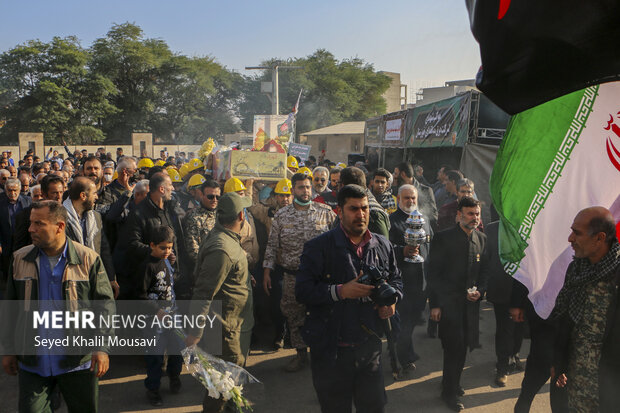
(343, 326)
(11, 203)
(458, 272)
(508, 333)
(414, 300)
(151, 213)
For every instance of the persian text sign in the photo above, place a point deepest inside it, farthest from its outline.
(297, 149)
(393, 129)
(443, 123)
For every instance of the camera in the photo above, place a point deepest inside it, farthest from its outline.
(383, 294)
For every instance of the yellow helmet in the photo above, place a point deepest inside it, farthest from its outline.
(195, 181)
(291, 162)
(160, 162)
(175, 177)
(234, 185)
(341, 165)
(283, 186)
(305, 170)
(183, 170)
(115, 176)
(145, 163)
(194, 164)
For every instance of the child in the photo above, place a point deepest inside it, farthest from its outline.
(157, 286)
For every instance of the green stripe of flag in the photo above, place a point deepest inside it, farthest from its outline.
(529, 161)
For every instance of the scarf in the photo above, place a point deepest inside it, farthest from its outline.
(580, 275)
(73, 221)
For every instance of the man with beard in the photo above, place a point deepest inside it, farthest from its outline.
(403, 174)
(343, 325)
(93, 170)
(330, 198)
(458, 262)
(379, 220)
(447, 213)
(320, 181)
(48, 271)
(380, 186)
(148, 215)
(200, 221)
(292, 226)
(587, 357)
(412, 305)
(85, 226)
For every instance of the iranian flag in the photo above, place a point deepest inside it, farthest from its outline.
(556, 159)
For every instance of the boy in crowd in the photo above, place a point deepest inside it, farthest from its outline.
(157, 287)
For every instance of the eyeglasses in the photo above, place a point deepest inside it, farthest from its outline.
(320, 179)
(211, 197)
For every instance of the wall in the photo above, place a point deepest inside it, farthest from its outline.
(127, 149)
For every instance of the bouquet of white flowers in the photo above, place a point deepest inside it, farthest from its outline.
(222, 379)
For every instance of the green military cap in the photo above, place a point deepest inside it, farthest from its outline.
(231, 204)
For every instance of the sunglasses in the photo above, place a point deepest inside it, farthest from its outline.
(212, 197)
(320, 179)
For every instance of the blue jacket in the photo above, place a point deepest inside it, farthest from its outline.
(329, 260)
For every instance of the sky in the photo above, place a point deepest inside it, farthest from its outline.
(427, 41)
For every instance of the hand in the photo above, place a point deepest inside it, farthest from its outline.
(161, 314)
(115, 288)
(410, 251)
(561, 381)
(267, 282)
(386, 311)
(436, 314)
(64, 143)
(9, 363)
(101, 362)
(253, 280)
(353, 289)
(190, 340)
(172, 258)
(475, 296)
(517, 315)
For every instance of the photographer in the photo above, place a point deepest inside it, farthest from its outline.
(344, 320)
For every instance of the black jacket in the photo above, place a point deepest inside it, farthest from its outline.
(499, 288)
(133, 246)
(21, 235)
(458, 262)
(329, 260)
(6, 228)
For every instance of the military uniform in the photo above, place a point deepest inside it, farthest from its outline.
(197, 224)
(290, 230)
(222, 274)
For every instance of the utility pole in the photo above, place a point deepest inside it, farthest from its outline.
(274, 94)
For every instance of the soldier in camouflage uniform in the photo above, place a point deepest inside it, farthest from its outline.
(200, 221)
(292, 226)
(583, 307)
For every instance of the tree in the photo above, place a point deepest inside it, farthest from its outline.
(334, 91)
(46, 87)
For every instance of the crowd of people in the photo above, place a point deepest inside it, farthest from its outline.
(316, 261)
